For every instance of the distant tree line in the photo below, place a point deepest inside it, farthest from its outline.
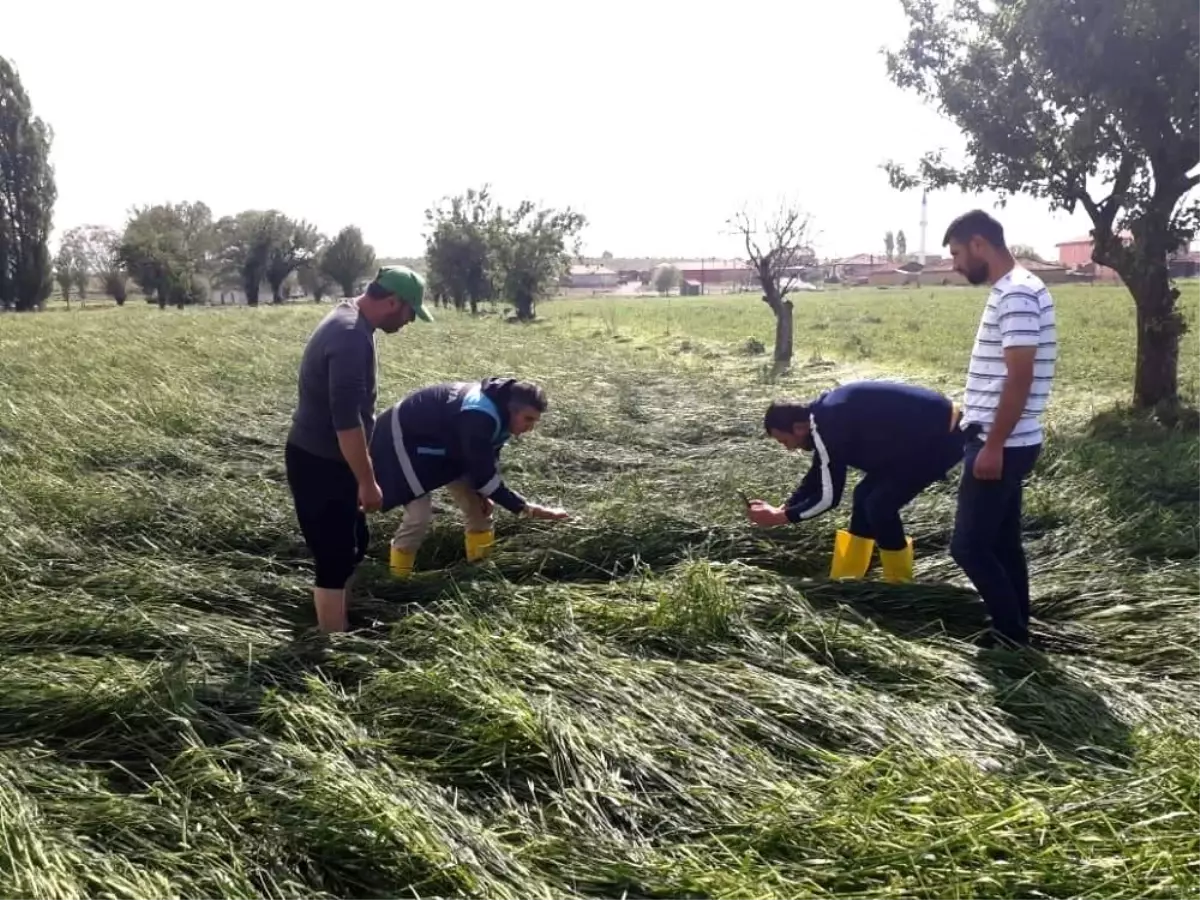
(177, 254)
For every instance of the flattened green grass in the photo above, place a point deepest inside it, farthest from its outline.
(653, 700)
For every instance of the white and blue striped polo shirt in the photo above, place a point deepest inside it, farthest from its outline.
(1019, 313)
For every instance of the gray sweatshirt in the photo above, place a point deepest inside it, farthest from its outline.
(337, 382)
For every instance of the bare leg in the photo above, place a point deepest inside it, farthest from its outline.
(330, 604)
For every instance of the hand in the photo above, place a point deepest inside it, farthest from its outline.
(764, 514)
(989, 463)
(486, 505)
(370, 497)
(545, 512)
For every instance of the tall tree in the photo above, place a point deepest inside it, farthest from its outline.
(168, 249)
(460, 250)
(313, 277)
(535, 246)
(101, 245)
(88, 250)
(244, 246)
(901, 246)
(292, 245)
(778, 246)
(348, 258)
(1056, 96)
(889, 244)
(64, 272)
(27, 197)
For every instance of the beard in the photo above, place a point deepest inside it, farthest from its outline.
(977, 273)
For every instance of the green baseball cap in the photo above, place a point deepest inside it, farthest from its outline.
(407, 285)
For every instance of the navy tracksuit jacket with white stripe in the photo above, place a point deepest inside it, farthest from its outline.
(446, 432)
(893, 431)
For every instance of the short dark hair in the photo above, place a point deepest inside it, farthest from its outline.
(377, 291)
(526, 393)
(783, 414)
(975, 223)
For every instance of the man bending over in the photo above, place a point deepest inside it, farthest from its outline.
(450, 435)
(901, 437)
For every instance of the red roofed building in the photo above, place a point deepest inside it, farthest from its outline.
(1076, 255)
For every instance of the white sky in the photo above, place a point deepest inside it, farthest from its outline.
(645, 116)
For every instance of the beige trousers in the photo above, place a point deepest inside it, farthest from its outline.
(418, 516)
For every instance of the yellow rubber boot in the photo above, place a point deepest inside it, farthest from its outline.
(851, 555)
(401, 562)
(897, 564)
(479, 544)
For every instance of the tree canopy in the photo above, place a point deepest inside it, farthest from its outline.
(477, 250)
(27, 196)
(347, 259)
(1056, 97)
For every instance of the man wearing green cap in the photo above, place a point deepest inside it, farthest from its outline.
(329, 468)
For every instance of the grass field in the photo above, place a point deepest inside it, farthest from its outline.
(653, 700)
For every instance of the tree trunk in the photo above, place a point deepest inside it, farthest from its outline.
(784, 326)
(784, 321)
(524, 307)
(1159, 328)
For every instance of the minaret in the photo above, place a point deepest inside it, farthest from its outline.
(924, 222)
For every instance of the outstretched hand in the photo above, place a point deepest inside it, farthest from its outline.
(763, 514)
(546, 512)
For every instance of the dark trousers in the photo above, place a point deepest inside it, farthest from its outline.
(325, 496)
(987, 538)
(879, 496)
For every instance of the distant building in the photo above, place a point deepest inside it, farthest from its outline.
(1050, 273)
(873, 268)
(595, 277)
(942, 272)
(711, 271)
(892, 275)
(1076, 255)
(860, 265)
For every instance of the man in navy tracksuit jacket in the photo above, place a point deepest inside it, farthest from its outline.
(450, 435)
(902, 438)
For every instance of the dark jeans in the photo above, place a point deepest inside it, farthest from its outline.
(325, 495)
(987, 538)
(880, 496)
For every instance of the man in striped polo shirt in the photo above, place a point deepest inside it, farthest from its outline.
(1008, 384)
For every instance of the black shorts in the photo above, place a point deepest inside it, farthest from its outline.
(325, 496)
